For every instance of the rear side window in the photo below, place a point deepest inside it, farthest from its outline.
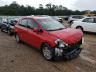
(89, 20)
(29, 23)
(23, 22)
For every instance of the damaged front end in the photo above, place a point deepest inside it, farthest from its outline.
(67, 51)
(72, 51)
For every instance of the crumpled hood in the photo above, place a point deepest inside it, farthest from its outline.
(70, 36)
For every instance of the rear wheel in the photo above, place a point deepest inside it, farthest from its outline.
(17, 38)
(47, 52)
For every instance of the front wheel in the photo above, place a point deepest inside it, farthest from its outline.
(47, 52)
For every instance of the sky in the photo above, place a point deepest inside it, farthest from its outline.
(70, 4)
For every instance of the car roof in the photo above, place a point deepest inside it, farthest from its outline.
(37, 17)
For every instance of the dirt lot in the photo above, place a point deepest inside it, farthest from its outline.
(23, 58)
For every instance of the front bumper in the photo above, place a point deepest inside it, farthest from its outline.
(68, 52)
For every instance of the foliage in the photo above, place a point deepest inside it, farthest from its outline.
(50, 9)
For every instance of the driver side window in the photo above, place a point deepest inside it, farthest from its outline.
(32, 23)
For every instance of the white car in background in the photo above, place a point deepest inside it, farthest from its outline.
(75, 18)
(86, 24)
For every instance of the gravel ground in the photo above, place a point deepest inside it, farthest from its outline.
(23, 58)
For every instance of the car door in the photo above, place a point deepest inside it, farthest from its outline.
(88, 24)
(34, 38)
(23, 29)
(94, 25)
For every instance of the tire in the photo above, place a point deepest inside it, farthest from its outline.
(47, 52)
(17, 38)
(80, 28)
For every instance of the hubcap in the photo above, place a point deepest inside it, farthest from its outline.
(47, 53)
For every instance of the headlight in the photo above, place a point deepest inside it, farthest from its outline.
(60, 43)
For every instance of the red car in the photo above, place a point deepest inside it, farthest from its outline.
(51, 37)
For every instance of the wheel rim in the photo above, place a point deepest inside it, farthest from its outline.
(47, 53)
(17, 38)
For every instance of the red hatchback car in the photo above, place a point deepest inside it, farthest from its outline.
(51, 37)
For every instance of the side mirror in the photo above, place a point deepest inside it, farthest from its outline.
(37, 30)
(40, 30)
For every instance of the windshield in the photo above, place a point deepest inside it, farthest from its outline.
(50, 24)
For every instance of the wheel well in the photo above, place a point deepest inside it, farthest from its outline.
(79, 26)
(43, 44)
(71, 21)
